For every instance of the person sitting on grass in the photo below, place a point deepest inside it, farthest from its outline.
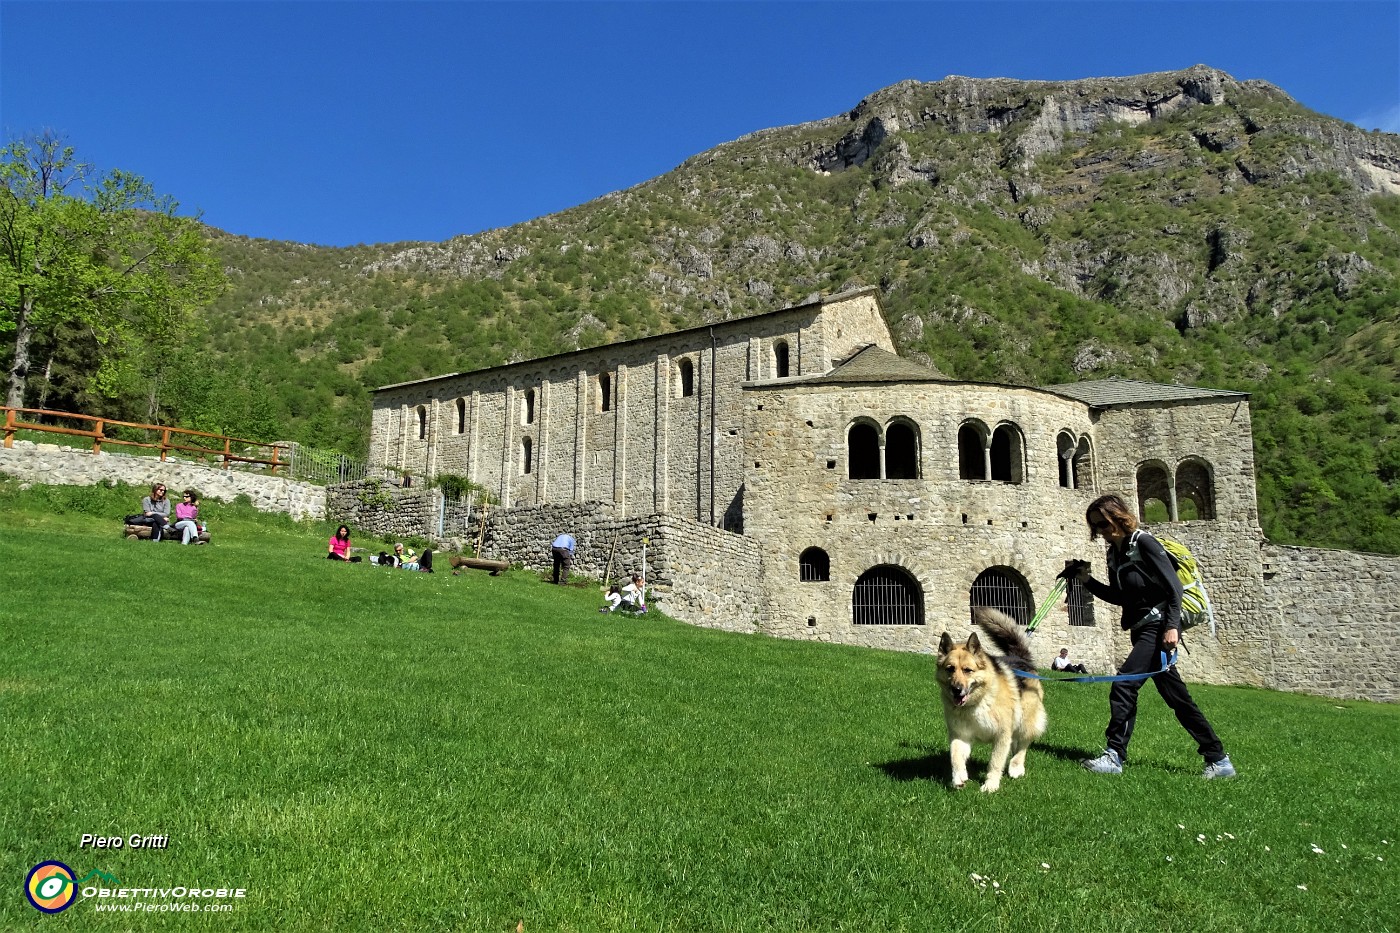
(1062, 663)
(634, 595)
(613, 597)
(339, 546)
(404, 558)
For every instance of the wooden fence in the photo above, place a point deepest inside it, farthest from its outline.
(226, 450)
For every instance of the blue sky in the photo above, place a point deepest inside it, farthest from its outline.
(339, 123)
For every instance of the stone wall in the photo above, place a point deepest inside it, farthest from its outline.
(649, 425)
(695, 573)
(375, 508)
(1332, 619)
(53, 465)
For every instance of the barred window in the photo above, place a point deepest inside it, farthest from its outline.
(1005, 589)
(814, 566)
(1081, 603)
(887, 595)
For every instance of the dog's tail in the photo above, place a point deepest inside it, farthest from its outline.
(1006, 634)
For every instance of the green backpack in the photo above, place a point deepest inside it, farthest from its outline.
(1195, 602)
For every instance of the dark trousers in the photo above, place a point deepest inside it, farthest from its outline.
(563, 560)
(158, 527)
(1123, 697)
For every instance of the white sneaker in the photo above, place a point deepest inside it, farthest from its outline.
(1219, 769)
(1107, 763)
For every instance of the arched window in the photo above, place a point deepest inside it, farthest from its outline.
(901, 451)
(1064, 446)
(1083, 465)
(1195, 491)
(604, 392)
(1005, 589)
(685, 376)
(1154, 492)
(527, 407)
(526, 449)
(1008, 463)
(972, 456)
(863, 450)
(461, 416)
(887, 595)
(814, 566)
(422, 422)
(780, 359)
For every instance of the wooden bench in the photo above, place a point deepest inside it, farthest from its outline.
(143, 533)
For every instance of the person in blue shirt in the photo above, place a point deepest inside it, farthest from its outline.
(563, 550)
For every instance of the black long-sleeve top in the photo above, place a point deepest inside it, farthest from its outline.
(1142, 580)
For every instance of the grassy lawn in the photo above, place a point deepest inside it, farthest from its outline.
(367, 749)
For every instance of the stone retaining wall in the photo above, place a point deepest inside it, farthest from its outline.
(53, 465)
(1334, 622)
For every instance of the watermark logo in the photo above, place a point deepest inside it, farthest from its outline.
(51, 887)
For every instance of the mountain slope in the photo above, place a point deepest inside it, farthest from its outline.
(1176, 227)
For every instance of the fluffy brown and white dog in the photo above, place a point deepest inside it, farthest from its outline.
(983, 701)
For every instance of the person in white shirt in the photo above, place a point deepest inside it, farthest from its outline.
(1061, 663)
(634, 595)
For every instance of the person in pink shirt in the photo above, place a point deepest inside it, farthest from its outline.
(187, 516)
(339, 546)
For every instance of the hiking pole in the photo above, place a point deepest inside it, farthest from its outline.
(1072, 568)
(1051, 598)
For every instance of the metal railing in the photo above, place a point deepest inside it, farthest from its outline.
(326, 467)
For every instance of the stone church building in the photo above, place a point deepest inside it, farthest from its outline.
(789, 474)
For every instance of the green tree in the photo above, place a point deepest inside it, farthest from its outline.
(105, 252)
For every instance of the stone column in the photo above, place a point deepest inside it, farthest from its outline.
(620, 439)
(660, 464)
(542, 440)
(580, 437)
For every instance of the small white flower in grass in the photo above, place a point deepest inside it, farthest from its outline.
(1045, 866)
(996, 884)
(1316, 850)
(1229, 835)
(1267, 849)
(1201, 838)
(1169, 858)
(1180, 826)
(1302, 887)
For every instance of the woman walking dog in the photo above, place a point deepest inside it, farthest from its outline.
(1143, 581)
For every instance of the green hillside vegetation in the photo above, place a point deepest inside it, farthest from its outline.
(1230, 245)
(369, 749)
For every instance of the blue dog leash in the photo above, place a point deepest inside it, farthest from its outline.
(1167, 662)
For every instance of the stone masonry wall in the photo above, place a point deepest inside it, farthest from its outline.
(615, 424)
(51, 464)
(695, 573)
(1333, 620)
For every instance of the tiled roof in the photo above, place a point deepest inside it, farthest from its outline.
(1106, 393)
(873, 364)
